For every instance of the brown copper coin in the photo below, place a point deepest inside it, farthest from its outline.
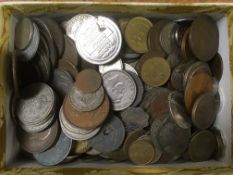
(39, 142)
(88, 81)
(186, 52)
(216, 66)
(204, 111)
(68, 66)
(86, 120)
(199, 84)
(202, 146)
(204, 37)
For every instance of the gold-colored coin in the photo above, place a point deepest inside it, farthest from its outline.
(155, 71)
(136, 34)
(81, 147)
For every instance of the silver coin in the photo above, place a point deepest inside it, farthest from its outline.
(29, 52)
(130, 68)
(73, 131)
(55, 154)
(86, 101)
(116, 65)
(61, 82)
(135, 118)
(98, 40)
(72, 25)
(38, 105)
(121, 89)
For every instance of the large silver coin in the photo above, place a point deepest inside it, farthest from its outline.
(98, 40)
(121, 89)
(86, 101)
(117, 65)
(72, 25)
(55, 154)
(38, 105)
(110, 137)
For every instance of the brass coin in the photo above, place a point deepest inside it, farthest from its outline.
(88, 81)
(199, 84)
(204, 37)
(155, 71)
(202, 146)
(136, 34)
(216, 66)
(143, 58)
(204, 111)
(81, 147)
(86, 120)
(23, 33)
(69, 67)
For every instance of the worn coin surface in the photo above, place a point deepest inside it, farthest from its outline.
(116, 65)
(100, 43)
(88, 80)
(55, 154)
(23, 33)
(219, 152)
(69, 67)
(186, 52)
(204, 111)
(136, 34)
(87, 120)
(81, 147)
(155, 71)
(204, 37)
(174, 59)
(86, 101)
(202, 146)
(15, 76)
(177, 77)
(216, 66)
(121, 89)
(61, 82)
(134, 118)
(110, 137)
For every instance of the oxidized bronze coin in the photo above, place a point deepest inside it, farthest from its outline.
(204, 111)
(202, 146)
(86, 120)
(199, 84)
(155, 71)
(88, 81)
(216, 66)
(69, 67)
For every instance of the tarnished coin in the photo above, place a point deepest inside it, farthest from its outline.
(70, 52)
(219, 152)
(116, 65)
(177, 77)
(69, 67)
(100, 43)
(55, 154)
(118, 155)
(38, 103)
(155, 71)
(87, 120)
(186, 52)
(57, 34)
(86, 65)
(135, 118)
(72, 25)
(177, 110)
(129, 55)
(88, 80)
(122, 22)
(81, 147)
(61, 82)
(15, 75)
(110, 137)
(86, 101)
(216, 66)
(167, 158)
(204, 111)
(199, 84)
(23, 33)
(174, 59)
(167, 37)
(120, 87)
(136, 34)
(93, 152)
(204, 37)
(202, 146)
(39, 142)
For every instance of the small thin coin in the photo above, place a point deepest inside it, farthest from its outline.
(121, 89)
(88, 80)
(155, 71)
(81, 147)
(216, 66)
(204, 111)
(202, 146)
(186, 52)
(15, 75)
(116, 65)
(136, 34)
(110, 137)
(69, 67)
(55, 154)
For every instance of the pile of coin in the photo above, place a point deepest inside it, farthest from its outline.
(148, 97)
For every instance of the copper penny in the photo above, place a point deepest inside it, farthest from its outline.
(216, 66)
(86, 120)
(88, 81)
(68, 66)
(199, 84)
